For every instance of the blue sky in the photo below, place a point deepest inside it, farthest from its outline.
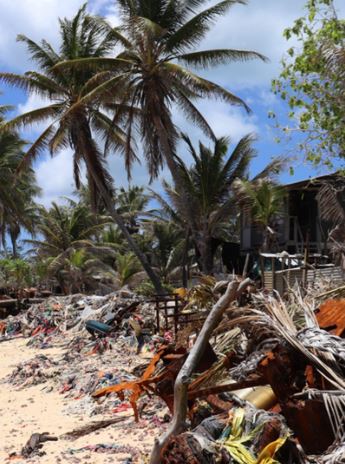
(257, 26)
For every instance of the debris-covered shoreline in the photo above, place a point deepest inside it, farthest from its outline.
(269, 370)
(60, 362)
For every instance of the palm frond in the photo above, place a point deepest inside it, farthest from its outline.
(209, 58)
(33, 117)
(191, 32)
(37, 148)
(194, 115)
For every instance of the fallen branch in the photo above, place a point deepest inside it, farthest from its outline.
(178, 425)
(35, 443)
(89, 428)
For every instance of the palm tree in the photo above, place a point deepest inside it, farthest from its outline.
(69, 245)
(265, 198)
(168, 247)
(132, 204)
(65, 228)
(17, 206)
(74, 114)
(157, 38)
(127, 265)
(209, 182)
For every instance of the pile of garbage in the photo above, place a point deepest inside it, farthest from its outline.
(276, 395)
(267, 383)
(88, 359)
(67, 312)
(34, 372)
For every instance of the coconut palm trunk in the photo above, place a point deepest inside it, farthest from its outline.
(83, 143)
(14, 234)
(108, 200)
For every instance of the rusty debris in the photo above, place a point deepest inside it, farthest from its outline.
(268, 386)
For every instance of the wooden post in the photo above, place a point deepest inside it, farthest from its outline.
(262, 267)
(306, 255)
(157, 315)
(273, 261)
(166, 314)
(305, 270)
(176, 316)
(245, 268)
(283, 275)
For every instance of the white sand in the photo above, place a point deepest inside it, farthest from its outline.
(31, 410)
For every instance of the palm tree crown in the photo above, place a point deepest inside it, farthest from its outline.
(209, 183)
(68, 125)
(158, 38)
(17, 206)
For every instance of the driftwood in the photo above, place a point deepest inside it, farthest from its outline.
(178, 425)
(92, 427)
(35, 443)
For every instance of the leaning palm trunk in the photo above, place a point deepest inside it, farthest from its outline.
(83, 143)
(121, 225)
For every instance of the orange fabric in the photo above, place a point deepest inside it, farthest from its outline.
(136, 386)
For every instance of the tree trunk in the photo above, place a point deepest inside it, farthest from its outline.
(185, 262)
(183, 379)
(14, 234)
(133, 245)
(84, 144)
(14, 247)
(207, 261)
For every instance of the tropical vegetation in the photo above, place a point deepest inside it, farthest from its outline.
(312, 83)
(115, 90)
(91, 95)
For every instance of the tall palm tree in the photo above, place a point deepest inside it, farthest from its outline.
(209, 181)
(74, 114)
(153, 72)
(17, 206)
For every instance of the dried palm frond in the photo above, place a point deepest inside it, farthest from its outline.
(329, 347)
(334, 455)
(277, 317)
(202, 295)
(330, 200)
(338, 292)
(225, 342)
(301, 308)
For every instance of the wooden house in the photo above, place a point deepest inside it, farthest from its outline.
(302, 223)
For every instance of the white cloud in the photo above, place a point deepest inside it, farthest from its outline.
(229, 121)
(35, 18)
(257, 26)
(224, 119)
(55, 177)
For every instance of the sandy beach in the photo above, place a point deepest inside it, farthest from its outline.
(34, 409)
